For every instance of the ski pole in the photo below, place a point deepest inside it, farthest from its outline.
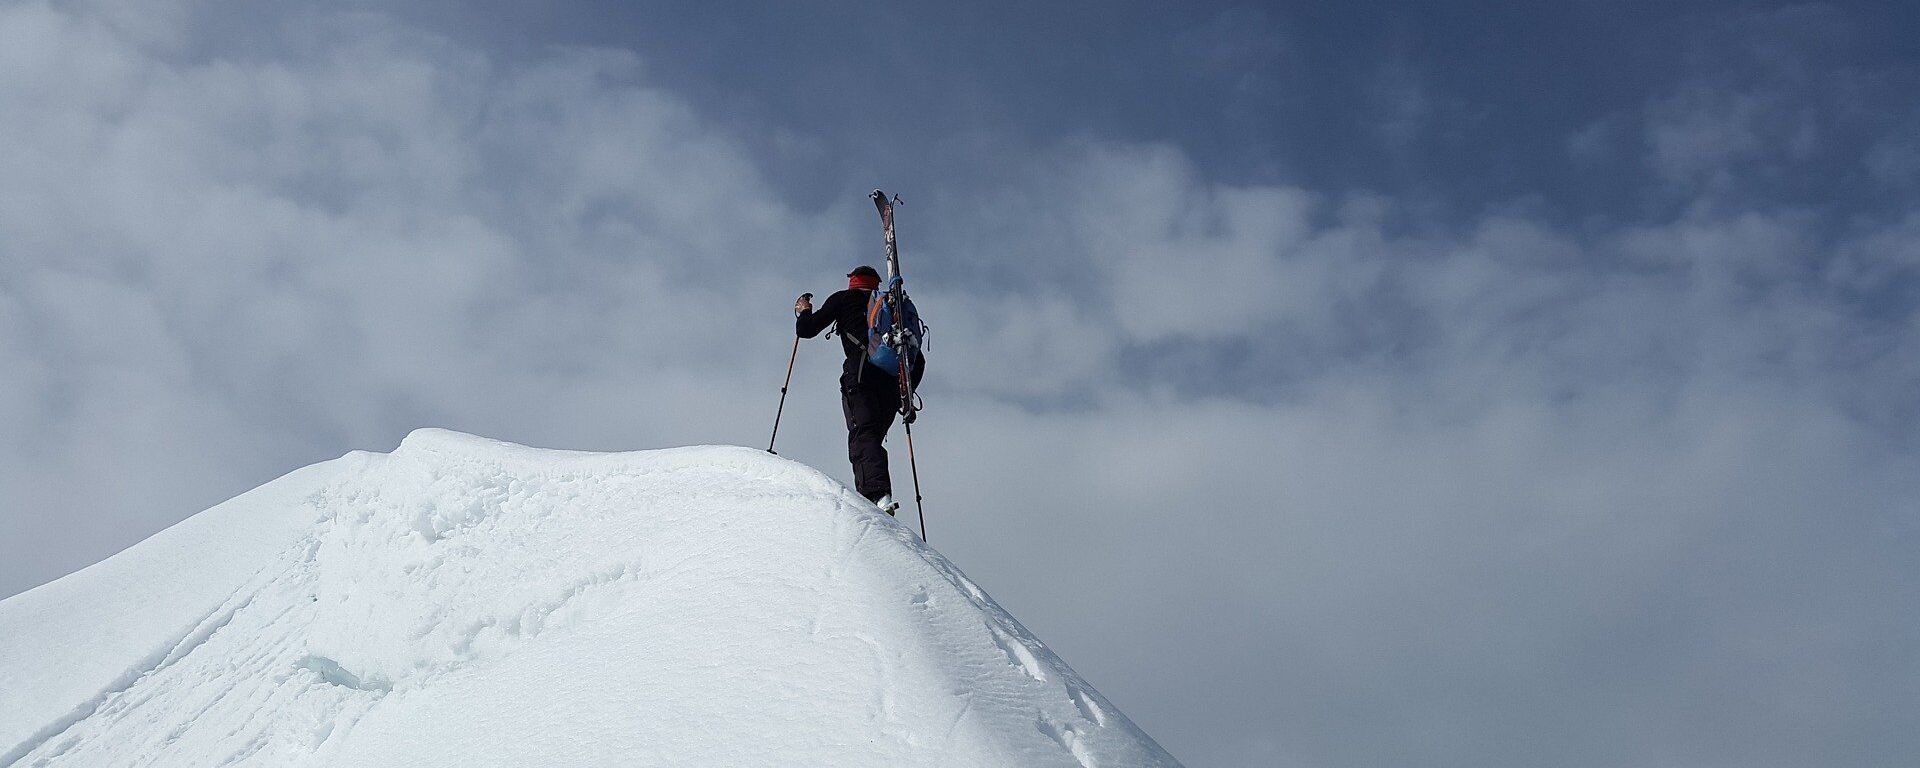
(795, 355)
(915, 467)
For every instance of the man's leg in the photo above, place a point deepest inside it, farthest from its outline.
(869, 412)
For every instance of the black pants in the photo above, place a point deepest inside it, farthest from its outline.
(870, 408)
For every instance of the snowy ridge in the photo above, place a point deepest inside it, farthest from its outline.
(463, 601)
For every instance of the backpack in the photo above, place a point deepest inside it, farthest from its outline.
(883, 328)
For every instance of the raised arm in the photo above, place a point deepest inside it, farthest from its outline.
(808, 323)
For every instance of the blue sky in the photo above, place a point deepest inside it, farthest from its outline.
(1396, 383)
(1472, 103)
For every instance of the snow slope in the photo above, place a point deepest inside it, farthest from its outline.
(465, 602)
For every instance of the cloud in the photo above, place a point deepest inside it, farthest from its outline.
(1242, 46)
(1772, 106)
(269, 261)
(1894, 164)
(1295, 475)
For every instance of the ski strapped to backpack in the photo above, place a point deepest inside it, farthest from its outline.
(895, 337)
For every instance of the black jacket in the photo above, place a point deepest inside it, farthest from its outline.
(847, 311)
